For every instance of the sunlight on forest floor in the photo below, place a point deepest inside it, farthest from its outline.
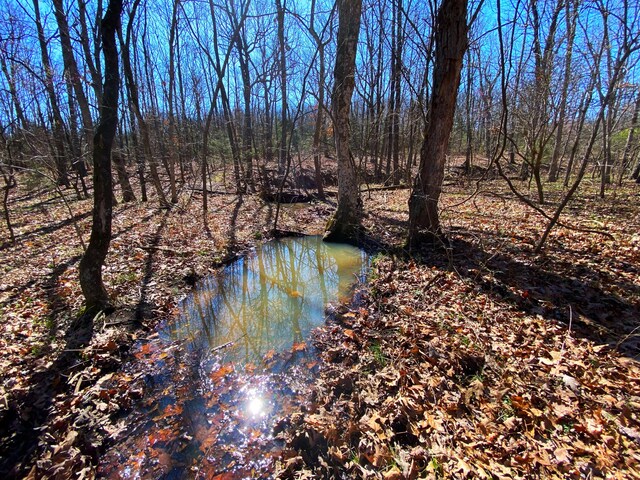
(489, 302)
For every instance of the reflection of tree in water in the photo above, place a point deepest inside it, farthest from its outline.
(271, 299)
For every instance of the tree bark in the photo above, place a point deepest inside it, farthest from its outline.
(134, 103)
(244, 58)
(123, 178)
(58, 125)
(10, 78)
(345, 223)
(174, 140)
(396, 82)
(84, 42)
(77, 162)
(9, 183)
(570, 19)
(92, 261)
(71, 67)
(451, 44)
(628, 147)
(282, 157)
(317, 131)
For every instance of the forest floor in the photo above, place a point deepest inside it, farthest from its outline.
(478, 359)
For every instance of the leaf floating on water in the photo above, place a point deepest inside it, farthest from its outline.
(161, 435)
(170, 411)
(222, 372)
(146, 349)
(299, 347)
(209, 440)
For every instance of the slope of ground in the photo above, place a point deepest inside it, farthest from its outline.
(479, 357)
(483, 360)
(62, 390)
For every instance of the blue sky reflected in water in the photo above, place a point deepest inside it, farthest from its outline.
(270, 299)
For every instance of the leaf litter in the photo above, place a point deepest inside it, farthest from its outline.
(478, 360)
(482, 360)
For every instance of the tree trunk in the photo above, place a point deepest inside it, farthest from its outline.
(282, 157)
(628, 147)
(77, 162)
(71, 67)
(123, 178)
(345, 223)
(636, 172)
(84, 42)
(396, 80)
(451, 43)
(267, 134)
(220, 69)
(58, 129)
(317, 131)
(570, 18)
(134, 103)
(247, 125)
(468, 156)
(174, 141)
(11, 82)
(9, 183)
(92, 261)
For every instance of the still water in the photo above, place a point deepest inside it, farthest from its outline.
(233, 361)
(269, 300)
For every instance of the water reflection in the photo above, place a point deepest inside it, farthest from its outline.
(210, 406)
(269, 300)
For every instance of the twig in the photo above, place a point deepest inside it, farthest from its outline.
(432, 281)
(220, 347)
(627, 337)
(567, 335)
(228, 344)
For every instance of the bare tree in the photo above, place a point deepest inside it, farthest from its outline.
(571, 15)
(345, 223)
(629, 145)
(282, 43)
(450, 46)
(71, 68)
(58, 124)
(134, 103)
(93, 289)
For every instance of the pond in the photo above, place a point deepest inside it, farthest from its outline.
(233, 360)
(269, 300)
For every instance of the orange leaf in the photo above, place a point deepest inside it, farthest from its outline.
(299, 347)
(172, 410)
(222, 372)
(350, 333)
